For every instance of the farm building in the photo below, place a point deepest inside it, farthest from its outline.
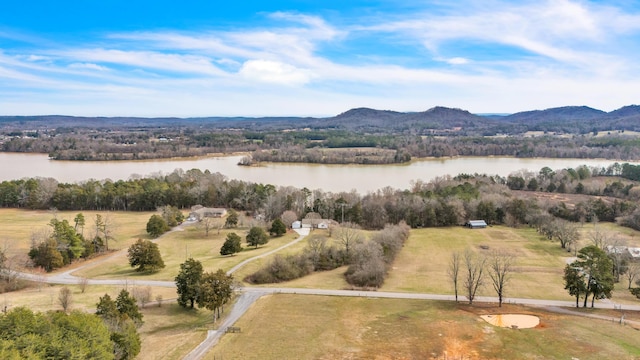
(199, 212)
(313, 224)
(476, 224)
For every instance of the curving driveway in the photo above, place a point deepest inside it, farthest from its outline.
(248, 295)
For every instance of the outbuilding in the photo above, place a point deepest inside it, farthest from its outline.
(476, 224)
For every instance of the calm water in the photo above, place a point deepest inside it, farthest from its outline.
(327, 177)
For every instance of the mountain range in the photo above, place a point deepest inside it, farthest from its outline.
(567, 119)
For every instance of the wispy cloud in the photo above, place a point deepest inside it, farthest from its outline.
(487, 56)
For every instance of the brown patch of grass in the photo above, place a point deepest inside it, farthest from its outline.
(318, 327)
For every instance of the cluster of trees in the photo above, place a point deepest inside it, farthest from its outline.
(209, 290)
(84, 144)
(591, 274)
(53, 335)
(170, 216)
(368, 260)
(255, 237)
(65, 243)
(110, 333)
(122, 317)
(301, 154)
(469, 270)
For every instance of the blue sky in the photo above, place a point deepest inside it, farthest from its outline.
(314, 58)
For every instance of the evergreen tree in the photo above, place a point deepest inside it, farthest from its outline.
(232, 245)
(128, 308)
(145, 255)
(188, 282)
(232, 219)
(156, 226)
(257, 236)
(278, 228)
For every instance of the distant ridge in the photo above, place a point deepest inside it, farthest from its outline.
(568, 119)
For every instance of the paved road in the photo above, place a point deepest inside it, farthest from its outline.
(248, 295)
(301, 232)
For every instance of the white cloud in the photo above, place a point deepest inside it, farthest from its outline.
(37, 58)
(457, 61)
(88, 66)
(568, 52)
(274, 72)
(146, 59)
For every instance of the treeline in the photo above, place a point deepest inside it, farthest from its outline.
(307, 145)
(300, 154)
(97, 146)
(444, 201)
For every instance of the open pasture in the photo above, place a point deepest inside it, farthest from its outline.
(324, 327)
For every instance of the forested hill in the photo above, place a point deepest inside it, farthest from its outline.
(437, 118)
(568, 119)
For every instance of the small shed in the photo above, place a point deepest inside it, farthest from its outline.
(476, 224)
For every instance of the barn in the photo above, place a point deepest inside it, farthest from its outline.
(476, 224)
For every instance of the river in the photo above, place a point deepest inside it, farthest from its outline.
(334, 178)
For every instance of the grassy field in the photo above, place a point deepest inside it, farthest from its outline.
(45, 297)
(317, 327)
(177, 246)
(422, 264)
(168, 332)
(171, 332)
(17, 226)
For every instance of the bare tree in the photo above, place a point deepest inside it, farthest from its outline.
(598, 236)
(83, 282)
(454, 270)
(315, 247)
(206, 223)
(103, 230)
(617, 251)
(65, 298)
(40, 277)
(348, 235)
(288, 217)
(633, 271)
(142, 294)
(474, 271)
(314, 218)
(566, 232)
(500, 269)
(109, 229)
